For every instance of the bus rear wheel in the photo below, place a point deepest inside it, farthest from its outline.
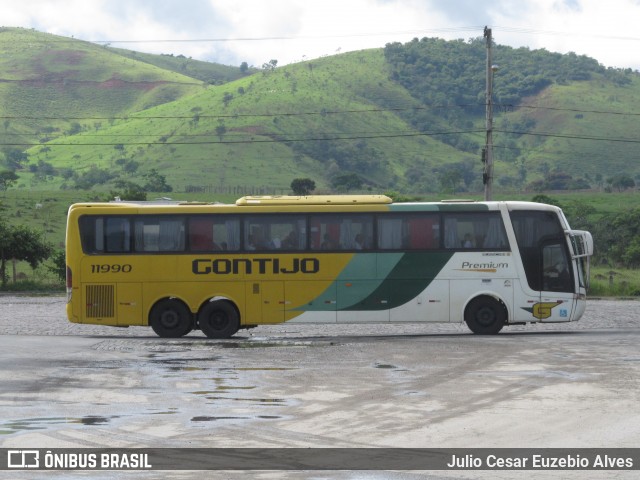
(218, 319)
(170, 318)
(485, 316)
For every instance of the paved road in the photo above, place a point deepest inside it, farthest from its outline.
(561, 385)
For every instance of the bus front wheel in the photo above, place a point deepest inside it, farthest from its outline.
(218, 319)
(170, 318)
(485, 316)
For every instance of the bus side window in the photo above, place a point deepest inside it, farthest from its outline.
(201, 235)
(160, 234)
(356, 232)
(275, 232)
(91, 234)
(408, 231)
(341, 231)
(479, 230)
(118, 232)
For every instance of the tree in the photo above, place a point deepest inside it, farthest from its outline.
(7, 179)
(59, 265)
(128, 191)
(303, 186)
(271, 66)
(14, 158)
(21, 243)
(221, 129)
(450, 180)
(347, 181)
(94, 176)
(621, 182)
(156, 182)
(244, 66)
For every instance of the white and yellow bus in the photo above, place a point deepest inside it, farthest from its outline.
(179, 267)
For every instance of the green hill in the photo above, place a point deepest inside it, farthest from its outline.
(408, 117)
(212, 73)
(52, 86)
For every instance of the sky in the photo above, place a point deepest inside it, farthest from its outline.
(258, 31)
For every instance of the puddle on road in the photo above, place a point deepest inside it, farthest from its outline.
(261, 369)
(173, 346)
(42, 423)
(213, 419)
(384, 365)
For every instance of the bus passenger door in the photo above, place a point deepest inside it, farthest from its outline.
(129, 304)
(557, 298)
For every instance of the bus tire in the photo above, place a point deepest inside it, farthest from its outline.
(219, 319)
(170, 318)
(485, 315)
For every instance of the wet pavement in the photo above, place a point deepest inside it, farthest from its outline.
(558, 385)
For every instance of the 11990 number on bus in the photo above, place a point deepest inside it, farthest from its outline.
(111, 268)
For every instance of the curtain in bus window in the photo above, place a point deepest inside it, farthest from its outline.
(347, 235)
(117, 235)
(451, 233)
(201, 235)
(99, 235)
(332, 238)
(495, 236)
(233, 234)
(367, 234)
(302, 235)
(139, 235)
(526, 231)
(325, 232)
(171, 235)
(424, 232)
(315, 234)
(390, 233)
(356, 233)
(296, 238)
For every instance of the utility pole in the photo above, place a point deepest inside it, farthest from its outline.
(487, 154)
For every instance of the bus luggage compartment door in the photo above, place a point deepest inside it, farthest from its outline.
(129, 304)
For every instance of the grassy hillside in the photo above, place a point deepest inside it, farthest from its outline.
(316, 119)
(212, 73)
(51, 86)
(587, 129)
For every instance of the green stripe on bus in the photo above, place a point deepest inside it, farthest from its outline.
(411, 275)
(370, 278)
(366, 270)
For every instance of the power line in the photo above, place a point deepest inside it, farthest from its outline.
(574, 137)
(265, 140)
(417, 32)
(315, 113)
(574, 110)
(590, 34)
(286, 138)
